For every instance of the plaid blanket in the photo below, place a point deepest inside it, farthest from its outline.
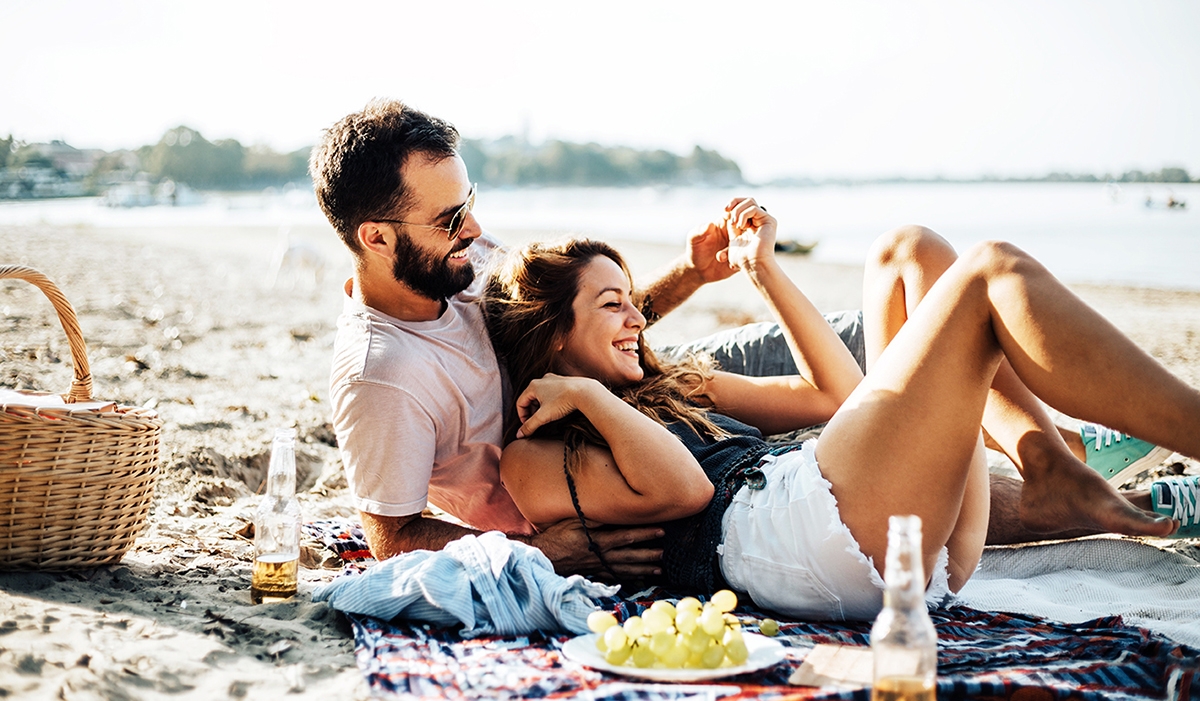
(981, 655)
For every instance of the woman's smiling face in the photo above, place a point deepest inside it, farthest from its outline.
(603, 343)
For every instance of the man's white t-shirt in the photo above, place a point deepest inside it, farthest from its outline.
(418, 410)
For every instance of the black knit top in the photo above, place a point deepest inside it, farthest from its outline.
(690, 545)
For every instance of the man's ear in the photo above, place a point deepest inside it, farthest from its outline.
(374, 239)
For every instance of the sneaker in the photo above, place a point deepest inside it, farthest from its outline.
(1119, 457)
(1178, 497)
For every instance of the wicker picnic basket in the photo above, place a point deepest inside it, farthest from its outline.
(75, 486)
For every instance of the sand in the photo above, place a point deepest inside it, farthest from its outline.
(185, 321)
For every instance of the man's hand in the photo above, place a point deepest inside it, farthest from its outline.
(703, 248)
(753, 234)
(705, 259)
(567, 547)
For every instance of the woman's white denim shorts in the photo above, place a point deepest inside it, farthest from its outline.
(786, 546)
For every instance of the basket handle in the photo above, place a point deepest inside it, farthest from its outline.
(81, 387)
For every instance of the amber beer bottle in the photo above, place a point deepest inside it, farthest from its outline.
(903, 641)
(277, 526)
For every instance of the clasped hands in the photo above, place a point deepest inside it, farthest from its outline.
(743, 238)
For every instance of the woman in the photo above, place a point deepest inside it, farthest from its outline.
(606, 434)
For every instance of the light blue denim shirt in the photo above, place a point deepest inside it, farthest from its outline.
(488, 583)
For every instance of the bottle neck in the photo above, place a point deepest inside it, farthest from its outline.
(281, 477)
(904, 573)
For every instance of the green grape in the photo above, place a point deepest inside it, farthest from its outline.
(769, 627)
(600, 621)
(695, 660)
(657, 620)
(698, 640)
(731, 621)
(642, 656)
(686, 620)
(677, 656)
(633, 626)
(712, 621)
(713, 656)
(736, 650)
(731, 634)
(600, 644)
(665, 607)
(618, 655)
(661, 643)
(688, 602)
(725, 601)
(615, 638)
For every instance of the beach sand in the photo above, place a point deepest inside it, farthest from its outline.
(184, 321)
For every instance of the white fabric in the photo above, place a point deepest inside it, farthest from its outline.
(1076, 581)
(786, 546)
(418, 410)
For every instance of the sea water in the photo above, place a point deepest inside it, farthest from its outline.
(1083, 232)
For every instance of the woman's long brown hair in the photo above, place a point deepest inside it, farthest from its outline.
(528, 309)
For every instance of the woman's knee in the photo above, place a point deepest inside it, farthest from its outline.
(994, 259)
(911, 245)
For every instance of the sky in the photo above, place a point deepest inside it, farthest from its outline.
(843, 88)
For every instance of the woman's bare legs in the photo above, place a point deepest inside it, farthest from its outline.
(904, 440)
(903, 265)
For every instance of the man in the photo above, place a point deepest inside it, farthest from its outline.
(416, 389)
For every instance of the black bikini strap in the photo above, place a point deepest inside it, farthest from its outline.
(595, 549)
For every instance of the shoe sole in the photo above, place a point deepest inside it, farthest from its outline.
(1142, 464)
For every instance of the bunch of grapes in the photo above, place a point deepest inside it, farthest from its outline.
(689, 634)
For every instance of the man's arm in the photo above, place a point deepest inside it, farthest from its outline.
(565, 543)
(698, 265)
(388, 536)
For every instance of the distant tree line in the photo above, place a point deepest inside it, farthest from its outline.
(1164, 175)
(183, 155)
(512, 161)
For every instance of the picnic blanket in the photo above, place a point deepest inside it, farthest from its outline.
(981, 654)
(1077, 580)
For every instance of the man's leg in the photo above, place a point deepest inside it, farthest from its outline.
(760, 350)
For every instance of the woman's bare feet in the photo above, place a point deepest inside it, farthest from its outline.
(1073, 497)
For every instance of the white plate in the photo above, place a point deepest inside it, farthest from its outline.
(764, 652)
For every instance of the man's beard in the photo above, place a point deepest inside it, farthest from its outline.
(428, 275)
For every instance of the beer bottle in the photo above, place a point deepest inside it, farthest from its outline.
(903, 641)
(277, 526)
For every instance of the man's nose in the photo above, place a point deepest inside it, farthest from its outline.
(471, 228)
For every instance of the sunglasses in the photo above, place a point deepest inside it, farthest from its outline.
(456, 222)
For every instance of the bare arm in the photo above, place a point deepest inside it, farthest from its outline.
(646, 475)
(668, 287)
(388, 536)
(564, 544)
(828, 372)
